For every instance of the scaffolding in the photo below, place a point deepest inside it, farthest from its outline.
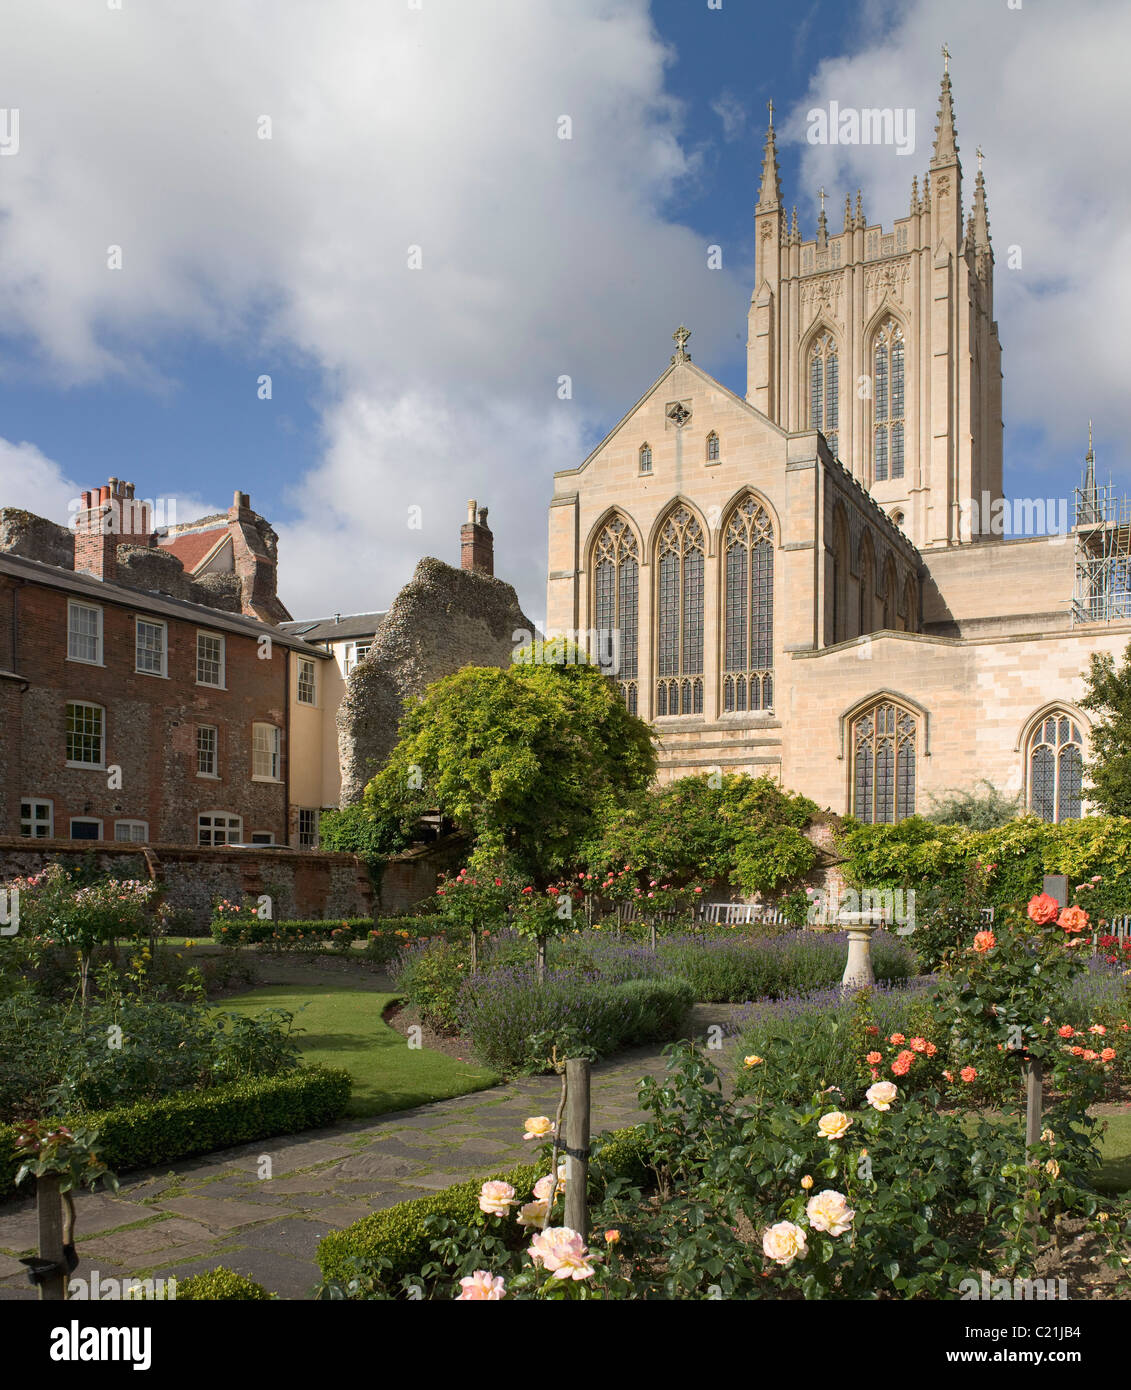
(1102, 528)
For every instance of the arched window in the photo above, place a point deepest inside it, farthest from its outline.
(891, 602)
(888, 393)
(645, 458)
(867, 586)
(838, 600)
(1056, 768)
(824, 388)
(748, 609)
(616, 582)
(883, 764)
(911, 604)
(679, 627)
(712, 447)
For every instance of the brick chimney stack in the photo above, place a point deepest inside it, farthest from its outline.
(477, 544)
(110, 516)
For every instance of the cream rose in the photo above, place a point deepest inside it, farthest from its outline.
(834, 1125)
(785, 1243)
(829, 1211)
(881, 1095)
(496, 1198)
(538, 1127)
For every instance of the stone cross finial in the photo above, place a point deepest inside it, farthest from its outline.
(770, 106)
(946, 59)
(821, 195)
(680, 337)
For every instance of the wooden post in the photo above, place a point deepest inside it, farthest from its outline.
(474, 950)
(577, 1147)
(541, 960)
(652, 931)
(49, 1208)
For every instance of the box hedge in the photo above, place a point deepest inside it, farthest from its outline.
(196, 1122)
(397, 1233)
(245, 928)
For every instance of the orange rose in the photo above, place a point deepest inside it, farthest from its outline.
(1108, 1054)
(1066, 1030)
(984, 941)
(968, 1073)
(1073, 919)
(1043, 908)
(874, 1058)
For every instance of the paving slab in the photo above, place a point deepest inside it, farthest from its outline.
(218, 1214)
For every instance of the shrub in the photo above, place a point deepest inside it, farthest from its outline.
(220, 1284)
(723, 969)
(397, 1234)
(179, 1126)
(243, 927)
(430, 976)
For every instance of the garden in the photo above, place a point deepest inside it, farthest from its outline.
(964, 1117)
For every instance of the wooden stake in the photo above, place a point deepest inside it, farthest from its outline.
(49, 1208)
(577, 1147)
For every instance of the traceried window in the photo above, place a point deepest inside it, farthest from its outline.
(616, 591)
(887, 400)
(645, 458)
(712, 447)
(1056, 768)
(679, 604)
(824, 389)
(748, 610)
(883, 764)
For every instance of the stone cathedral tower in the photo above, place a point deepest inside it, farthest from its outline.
(886, 342)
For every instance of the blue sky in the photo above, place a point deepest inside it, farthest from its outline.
(245, 257)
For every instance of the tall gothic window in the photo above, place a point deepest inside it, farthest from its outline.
(712, 447)
(748, 616)
(679, 605)
(1056, 768)
(645, 458)
(824, 389)
(883, 764)
(616, 582)
(888, 393)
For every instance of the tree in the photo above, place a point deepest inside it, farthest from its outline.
(977, 810)
(524, 759)
(1109, 696)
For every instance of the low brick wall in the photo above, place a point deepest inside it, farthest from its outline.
(411, 877)
(302, 883)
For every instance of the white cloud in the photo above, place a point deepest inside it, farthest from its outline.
(391, 128)
(732, 113)
(1043, 90)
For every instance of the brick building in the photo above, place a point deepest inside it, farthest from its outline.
(139, 701)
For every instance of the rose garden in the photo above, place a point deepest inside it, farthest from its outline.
(959, 1128)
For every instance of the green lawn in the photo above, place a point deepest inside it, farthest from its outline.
(1115, 1171)
(342, 1027)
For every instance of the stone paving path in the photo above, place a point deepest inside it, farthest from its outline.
(217, 1210)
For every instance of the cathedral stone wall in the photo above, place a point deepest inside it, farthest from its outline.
(999, 586)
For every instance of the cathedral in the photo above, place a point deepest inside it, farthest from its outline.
(814, 582)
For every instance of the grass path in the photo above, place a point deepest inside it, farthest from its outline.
(342, 1027)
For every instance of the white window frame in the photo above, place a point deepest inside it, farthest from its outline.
(84, 820)
(221, 684)
(128, 825)
(356, 652)
(229, 818)
(273, 752)
(86, 704)
(214, 775)
(156, 623)
(31, 821)
(265, 837)
(301, 662)
(74, 605)
(312, 811)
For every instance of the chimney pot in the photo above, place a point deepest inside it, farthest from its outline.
(477, 545)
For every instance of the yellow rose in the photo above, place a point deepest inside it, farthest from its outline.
(806, 1182)
(537, 1127)
(882, 1095)
(784, 1243)
(1052, 1168)
(829, 1211)
(753, 1061)
(834, 1125)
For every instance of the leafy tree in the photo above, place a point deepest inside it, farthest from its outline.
(977, 810)
(357, 830)
(1109, 696)
(523, 759)
(745, 830)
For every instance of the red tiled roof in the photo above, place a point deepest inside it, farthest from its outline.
(191, 547)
